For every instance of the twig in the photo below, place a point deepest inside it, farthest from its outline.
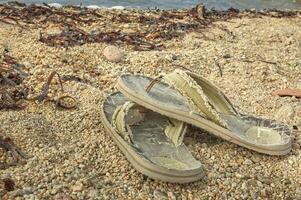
(183, 67)
(44, 93)
(59, 102)
(219, 68)
(152, 83)
(7, 145)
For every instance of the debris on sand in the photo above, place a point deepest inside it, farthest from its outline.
(65, 101)
(149, 29)
(11, 77)
(18, 156)
(288, 92)
(113, 54)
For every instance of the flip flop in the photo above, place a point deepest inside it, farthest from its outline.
(151, 142)
(190, 98)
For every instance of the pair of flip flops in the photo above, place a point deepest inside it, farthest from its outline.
(148, 119)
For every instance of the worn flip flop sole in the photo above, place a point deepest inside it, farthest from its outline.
(183, 113)
(146, 167)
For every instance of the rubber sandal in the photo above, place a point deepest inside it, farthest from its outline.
(190, 98)
(151, 142)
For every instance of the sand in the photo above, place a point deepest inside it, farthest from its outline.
(71, 153)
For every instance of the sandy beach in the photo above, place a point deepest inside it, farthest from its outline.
(69, 154)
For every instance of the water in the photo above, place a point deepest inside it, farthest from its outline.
(169, 4)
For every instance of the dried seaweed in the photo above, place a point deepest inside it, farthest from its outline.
(60, 102)
(11, 77)
(6, 185)
(164, 27)
(18, 156)
(9, 184)
(43, 14)
(72, 36)
(44, 93)
(157, 25)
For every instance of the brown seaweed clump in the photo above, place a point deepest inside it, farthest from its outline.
(149, 28)
(11, 77)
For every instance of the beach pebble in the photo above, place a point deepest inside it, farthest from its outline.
(78, 187)
(263, 179)
(159, 195)
(296, 145)
(298, 193)
(63, 196)
(113, 54)
(27, 190)
(189, 141)
(248, 162)
(298, 140)
(285, 113)
(93, 194)
(171, 196)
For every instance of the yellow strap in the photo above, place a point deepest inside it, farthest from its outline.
(196, 96)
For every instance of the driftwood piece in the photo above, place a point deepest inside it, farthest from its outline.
(288, 92)
(200, 9)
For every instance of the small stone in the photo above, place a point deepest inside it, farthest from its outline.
(226, 56)
(252, 182)
(189, 141)
(171, 57)
(200, 9)
(258, 168)
(113, 54)
(204, 145)
(248, 162)
(263, 193)
(244, 186)
(27, 190)
(159, 195)
(285, 113)
(244, 196)
(78, 187)
(298, 193)
(93, 194)
(240, 161)
(296, 146)
(62, 196)
(266, 180)
(255, 159)
(239, 175)
(171, 196)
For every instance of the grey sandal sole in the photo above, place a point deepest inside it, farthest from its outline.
(143, 165)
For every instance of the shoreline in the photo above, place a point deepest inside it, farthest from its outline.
(163, 6)
(248, 55)
(119, 7)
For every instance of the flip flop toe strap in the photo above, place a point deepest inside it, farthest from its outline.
(131, 113)
(197, 97)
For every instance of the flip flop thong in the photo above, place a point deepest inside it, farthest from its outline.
(190, 98)
(151, 142)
